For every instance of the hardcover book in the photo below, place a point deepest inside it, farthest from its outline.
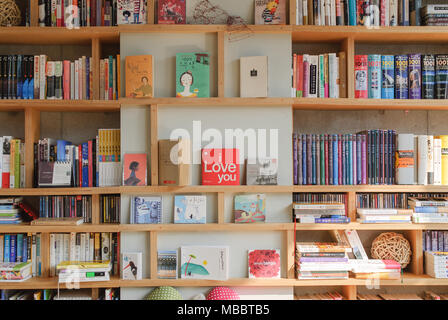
(428, 76)
(193, 75)
(204, 262)
(270, 12)
(263, 171)
(134, 169)
(374, 80)
(415, 76)
(401, 77)
(220, 167)
(254, 77)
(146, 210)
(131, 12)
(167, 264)
(131, 263)
(441, 76)
(361, 78)
(405, 159)
(388, 77)
(190, 209)
(139, 76)
(264, 264)
(171, 12)
(250, 208)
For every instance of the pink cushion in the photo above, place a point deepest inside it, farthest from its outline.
(222, 293)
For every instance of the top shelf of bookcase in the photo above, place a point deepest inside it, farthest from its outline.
(84, 35)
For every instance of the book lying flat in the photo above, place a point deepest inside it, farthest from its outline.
(58, 221)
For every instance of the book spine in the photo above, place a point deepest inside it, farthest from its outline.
(401, 77)
(330, 159)
(300, 80)
(327, 154)
(422, 155)
(321, 77)
(430, 160)
(340, 156)
(428, 76)
(352, 17)
(393, 13)
(438, 162)
(309, 156)
(306, 76)
(388, 78)
(374, 76)
(299, 159)
(441, 78)
(415, 8)
(313, 159)
(295, 159)
(361, 70)
(415, 76)
(322, 159)
(335, 160)
(363, 12)
(304, 160)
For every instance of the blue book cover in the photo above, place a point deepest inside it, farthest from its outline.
(19, 247)
(250, 208)
(352, 19)
(332, 220)
(13, 248)
(25, 249)
(401, 77)
(313, 159)
(344, 159)
(190, 209)
(358, 160)
(322, 159)
(304, 169)
(19, 77)
(335, 160)
(85, 165)
(146, 210)
(6, 248)
(374, 76)
(428, 76)
(39, 264)
(404, 12)
(295, 160)
(425, 209)
(388, 77)
(61, 144)
(434, 242)
(350, 159)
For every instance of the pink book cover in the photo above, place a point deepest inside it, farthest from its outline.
(383, 12)
(106, 79)
(66, 79)
(171, 12)
(134, 169)
(340, 177)
(391, 264)
(264, 264)
(306, 78)
(327, 178)
(361, 76)
(355, 176)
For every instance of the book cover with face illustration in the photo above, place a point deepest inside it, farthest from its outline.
(270, 11)
(139, 76)
(192, 75)
(134, 169)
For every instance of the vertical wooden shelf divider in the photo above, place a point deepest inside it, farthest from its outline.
(349, 292)
(32, 135)
(95, 293)
(96, 56)
(45, 254)
(351, 206)
(415, 238)
(34, 13)
(151, 8)
(221, 207)
(289, 245)
(221, 63)
(348, 45)
(292, 12)
(154, 145)
(153, 254)
(96, 210)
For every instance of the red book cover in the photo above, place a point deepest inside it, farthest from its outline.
(220, 167)
(80, 166)
(264, 263)
(383, 12)
(66, 79)
(340, 177)
(90, 163)
(327, 178)
(134, 169)
(172, 12)
(294, 74)
(299, 76)
(361, 76)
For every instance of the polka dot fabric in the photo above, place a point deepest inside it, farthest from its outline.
(164, 293)
(222, 293)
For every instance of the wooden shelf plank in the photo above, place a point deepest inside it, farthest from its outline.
(60, 105)
(58, 191)
(200, 102)
(206, 189)
(86, 227)
(52, 283)
(209, 227)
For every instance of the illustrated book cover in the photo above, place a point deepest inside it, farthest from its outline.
(139, 76)
(131, 11)
(264, 263)
(171, 11)
(250, 208)
(190, 209)
(193, 75)
(132, 266)
(135, 169)
(167, 264)
(270, 12)
(146, 210)
(205, 262)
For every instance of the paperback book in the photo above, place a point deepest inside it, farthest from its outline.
(146, 210)
(190, 209)
(204, 262)
(250, 208)
(193, 75)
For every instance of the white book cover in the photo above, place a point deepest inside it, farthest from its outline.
(333, 70)
(327, 6)
(72, 246)
(386, 13)
(333, 12)
(131, 12)
(76, 79)
(355, 243)
(82, 247)
(87, 247)
(322, 12)
(131, 263)
(422, 158)
(42, 76)
(300, 12)
(66, 252)
(105, 246)
(430, 160)
(59, 248)
(393, 13)
(437, 161)
(92, 248)
(52, 255)
(190, 209)
(205, 262)
(2, 238)
(254, 77)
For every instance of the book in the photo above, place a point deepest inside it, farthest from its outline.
(415, 76)
(146, 210)
(250, 208)
(444, 159)
(174, 162)
(262, 171)
(15, 271)
(65, 221)
(171, 12)
(131, 12)
(193, 75)
(204, 262)
(405, 159)
(135, 169)
(361, 76)
(422, 159)
(374, 76)
(388, 77)
(428, 76)
(356, 244)
(167, 264)
(401, 77)
(270, 12)
(437, 161)
(190, 209)
(254, 77)
(139, 76)
(220, 167)
(441, 89)
(264, 263)
(131, 263)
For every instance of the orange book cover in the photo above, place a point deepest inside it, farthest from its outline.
(139, 76)
(134, 169)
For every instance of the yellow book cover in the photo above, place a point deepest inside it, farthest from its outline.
(444, 139)
(139, 76)
(84, 264)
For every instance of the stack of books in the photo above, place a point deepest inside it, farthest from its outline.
(435, 15)
(10, 211)
(15, 271)
(320, 212)
(384, 215)
(318, 260)
(436, 264)
(376, 269)
(72, 271)
(429, 209)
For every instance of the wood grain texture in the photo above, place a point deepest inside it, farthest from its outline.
(221, 207)
(153, 254)
(32, 135)
(154, 145)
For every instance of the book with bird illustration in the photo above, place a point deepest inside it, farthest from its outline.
(204, 262)
(190, 209)
(250, 208)
(132, 266)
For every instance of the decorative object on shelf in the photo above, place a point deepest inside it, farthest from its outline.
(207, 13)
(392, 246)
(222, 293)
(9, 13)
(164, 293)
(199, 296)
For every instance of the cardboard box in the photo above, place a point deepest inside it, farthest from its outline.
(172, 174)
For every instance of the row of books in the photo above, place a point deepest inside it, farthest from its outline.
(391, 296)
(344, 159)
(384, 215)
(320, 296)
(50, 294)
(319, 76)
(435, 241)
(22, 247)
(361, 12)
(12, 164)
(412, 76)
(390, 200)
(434, 15)
(66, 207)
(84, 247)
(95, 163)
(110, 208)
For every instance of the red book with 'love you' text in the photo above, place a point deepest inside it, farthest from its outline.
(220, 167)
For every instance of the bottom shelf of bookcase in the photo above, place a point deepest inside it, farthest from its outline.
(408, 279)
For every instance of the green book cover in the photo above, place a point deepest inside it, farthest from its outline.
(192, 75)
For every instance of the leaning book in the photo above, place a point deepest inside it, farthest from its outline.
(193, 75)
(190, 209)
(146, 210)
(204, 262)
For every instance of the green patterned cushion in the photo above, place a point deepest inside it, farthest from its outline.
(164, 293)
